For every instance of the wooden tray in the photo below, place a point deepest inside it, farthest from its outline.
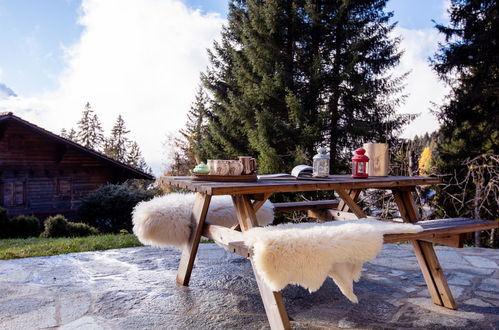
(224, 178)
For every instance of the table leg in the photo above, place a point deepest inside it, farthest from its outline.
(198, 216)
(354, 195)
(348, 201)
(272, 300)
(273, 303)
(427, 259)
(246, 215)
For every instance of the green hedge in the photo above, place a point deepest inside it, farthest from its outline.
(58, 226)
(22, 226)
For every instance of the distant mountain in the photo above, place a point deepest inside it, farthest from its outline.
(5, 92)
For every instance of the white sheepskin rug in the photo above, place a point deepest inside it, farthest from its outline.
(307, 253)
(166, 220)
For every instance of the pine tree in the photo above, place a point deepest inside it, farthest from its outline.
(469, 132)
(117, 143)
(178, 162)
(290, 75)
(135, 158)
(90, 132)
(196, 128)
(356, 56)
(71, 135)
(98, 133)
(469, 62)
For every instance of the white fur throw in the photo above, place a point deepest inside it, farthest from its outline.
(306, 253)
(166, 220)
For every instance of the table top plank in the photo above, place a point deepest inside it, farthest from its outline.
(292, 185)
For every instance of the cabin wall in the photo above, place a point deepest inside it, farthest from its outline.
(41, 176)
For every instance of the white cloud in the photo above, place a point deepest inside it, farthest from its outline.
(446, 5)
(141, 59)
(423, 85)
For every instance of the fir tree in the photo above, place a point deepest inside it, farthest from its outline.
(135, 158)
(290, 75)
(196, 128)
(116, 144)
(469, 133)
(89, 132)
(71, 135)
(469, 62)
(178, 161)
(98, 133)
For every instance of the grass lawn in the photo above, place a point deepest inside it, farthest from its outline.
(38, 247)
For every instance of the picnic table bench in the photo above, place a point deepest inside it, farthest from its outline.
(306, 205)
(248, 197)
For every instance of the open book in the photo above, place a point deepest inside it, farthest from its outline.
(300, 172)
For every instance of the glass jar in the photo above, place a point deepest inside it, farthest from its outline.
(321, 163)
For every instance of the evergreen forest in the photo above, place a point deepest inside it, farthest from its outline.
(289, 76)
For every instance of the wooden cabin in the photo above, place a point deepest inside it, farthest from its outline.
(42, 173)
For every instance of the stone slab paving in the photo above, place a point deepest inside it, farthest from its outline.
(135, 289)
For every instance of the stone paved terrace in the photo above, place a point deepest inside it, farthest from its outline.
(135, 289)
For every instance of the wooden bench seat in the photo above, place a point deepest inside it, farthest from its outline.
(443, 227)
(306, 205)
(431, 229)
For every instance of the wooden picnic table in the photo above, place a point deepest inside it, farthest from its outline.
(248, 197)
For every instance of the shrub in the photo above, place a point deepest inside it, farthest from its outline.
(81, 230)
(24, 226)
(110, 207)
(58, 226)
(4, 223)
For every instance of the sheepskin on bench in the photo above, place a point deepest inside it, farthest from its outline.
(166, 220)
(307, 253)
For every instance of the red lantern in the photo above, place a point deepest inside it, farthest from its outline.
(359, 164)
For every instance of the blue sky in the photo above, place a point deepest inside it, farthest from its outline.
(33, 34)
(58, 54)
(417, 14)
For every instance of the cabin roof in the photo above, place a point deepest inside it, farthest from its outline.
(136, 173)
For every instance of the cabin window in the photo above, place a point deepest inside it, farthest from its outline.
(14, 194)
(64, 188)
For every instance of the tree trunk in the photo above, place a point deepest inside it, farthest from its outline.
(333, 105)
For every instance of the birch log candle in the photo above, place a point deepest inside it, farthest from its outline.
(379, 160)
